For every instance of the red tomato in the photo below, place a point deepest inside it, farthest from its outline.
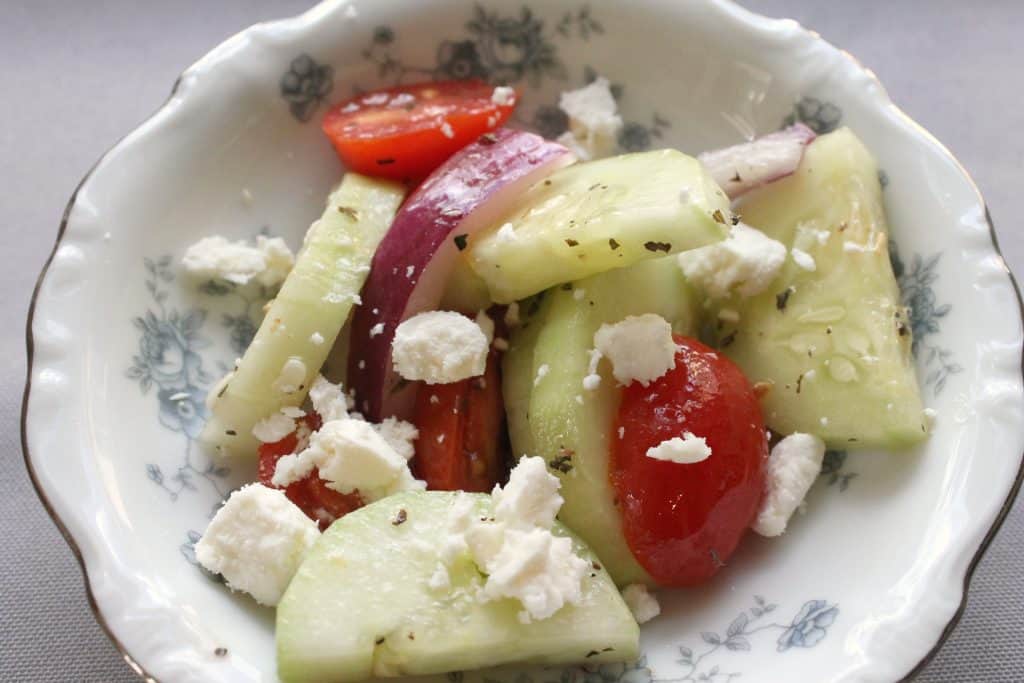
(406, 132)
(461, 425)
(321, 504)
(683, 521)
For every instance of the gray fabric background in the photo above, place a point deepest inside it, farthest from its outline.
(76, 76)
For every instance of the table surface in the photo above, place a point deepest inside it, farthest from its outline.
(91, 71)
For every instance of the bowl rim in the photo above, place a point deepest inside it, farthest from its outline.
(212, 56)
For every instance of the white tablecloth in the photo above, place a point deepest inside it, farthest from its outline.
(76, 76)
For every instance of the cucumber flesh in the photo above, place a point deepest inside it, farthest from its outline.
(575, 437)
(316, 297)
(596, 216)
(834, 343)
(360, 605)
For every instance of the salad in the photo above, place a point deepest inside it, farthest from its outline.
(510, 387)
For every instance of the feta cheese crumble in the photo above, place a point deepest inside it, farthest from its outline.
(350, 455)
(268, 263)
(745, 263)
(503, 96)
(256, 541)
(512, 315)
(793, 465)
(594, 122)
(803, 259)
(316, 339)
(592, 380)
(486, 324)
(274, 428)
(516, 549)
(328, 399)
(376, 330)
(641, 603)
(685, 451)
(439, 347)
(542, 372)
(640, 348)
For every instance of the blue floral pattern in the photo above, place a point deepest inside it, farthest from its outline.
(805, 630)
(917, 289)
(305, 86)
(832, 470)
(169, 360)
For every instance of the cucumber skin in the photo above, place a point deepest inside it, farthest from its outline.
(596, 216)
(366, 572)
(334, 259)
(561, 336)
(835, 186)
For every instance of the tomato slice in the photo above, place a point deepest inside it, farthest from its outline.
(461, 426)
(321, 504)
(683, 521)
(406, 132)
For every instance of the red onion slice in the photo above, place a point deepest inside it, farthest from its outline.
(415, 258)
(741, 168)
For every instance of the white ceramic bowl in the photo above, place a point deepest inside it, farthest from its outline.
(862, 588)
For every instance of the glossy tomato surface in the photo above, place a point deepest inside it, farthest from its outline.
(404, 133)
(321, 504)
(683, 521)
(461, 426)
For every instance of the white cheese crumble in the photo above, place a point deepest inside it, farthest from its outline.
(503, 96)
(350, 455)
(257, 541)
(328, 399)
(376, 330)
(803, 259)
(592, 380)
(500, 344)
(640, 348)
(641, 603)
(446, 130)
(594, 122)
(274, 428)
(268, 263)
(542, 372)
(399, 435)
(745, 263)
(579, 294)
(316, 339)
(291, 377)
(793, 465)
(685, 451)
(523, 560)
(530, 498)
(439, 347)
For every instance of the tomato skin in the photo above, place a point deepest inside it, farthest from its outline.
(321, 504)
(459, 446)
(404, 133)
(683, 521)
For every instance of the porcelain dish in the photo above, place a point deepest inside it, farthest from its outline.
(862, 587)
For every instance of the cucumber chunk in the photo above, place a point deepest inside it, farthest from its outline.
(834, 342)
(360, 605)
(569, 426)
(316, 298)
(596, 216)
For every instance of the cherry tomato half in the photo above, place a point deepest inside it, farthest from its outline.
(404, 133)
(683, 521)
(321, 504)
(461, 427)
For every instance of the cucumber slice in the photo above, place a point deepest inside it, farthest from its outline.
(833, 342)
(517, 374)
(316, 298)
(360, 605)
(593, 217)
(574, 437)
(464, 292)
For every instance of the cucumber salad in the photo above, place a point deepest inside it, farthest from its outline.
(510, 388)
